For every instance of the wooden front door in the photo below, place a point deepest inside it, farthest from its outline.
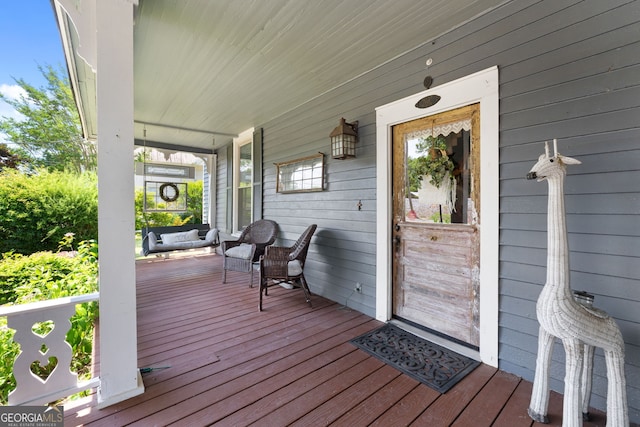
(436, 205)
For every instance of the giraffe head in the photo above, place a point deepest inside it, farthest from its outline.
(551, 166)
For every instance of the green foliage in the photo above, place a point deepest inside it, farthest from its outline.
(47, 275)
(194, 202)
(38, 210)
(446, 218)
(50, 134)
(8, 159)
(152, 219)
(415, 166)
(193, 214)
(435, 164)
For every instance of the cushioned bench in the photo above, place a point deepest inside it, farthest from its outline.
(178, 237)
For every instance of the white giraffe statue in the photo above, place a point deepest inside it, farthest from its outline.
(580, 328)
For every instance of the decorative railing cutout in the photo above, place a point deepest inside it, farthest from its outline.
(42, 368)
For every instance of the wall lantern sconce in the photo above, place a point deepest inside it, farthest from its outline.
(343, 140)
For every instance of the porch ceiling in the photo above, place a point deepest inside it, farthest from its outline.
(204, 71)
(225, 66)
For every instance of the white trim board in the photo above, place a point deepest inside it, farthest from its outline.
(480, 87)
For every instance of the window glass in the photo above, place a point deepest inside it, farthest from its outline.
(438, 177)
(244, 168)
(301, 175)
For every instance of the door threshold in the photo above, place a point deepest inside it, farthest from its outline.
(437, 339)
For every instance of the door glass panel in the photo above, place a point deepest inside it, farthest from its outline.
(441, 174)
(439, 179)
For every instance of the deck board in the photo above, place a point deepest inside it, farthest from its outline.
(333, 408)
(231, 365)
(374, 406)
(485, 407)
(514, 413)
(448, 406)
(408, 408)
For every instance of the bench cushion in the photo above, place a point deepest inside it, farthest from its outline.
(180, 240)
(183, 236)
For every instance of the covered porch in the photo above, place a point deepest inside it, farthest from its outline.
(229, 364)
(202, 81)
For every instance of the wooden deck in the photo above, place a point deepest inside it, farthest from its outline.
(231, 365)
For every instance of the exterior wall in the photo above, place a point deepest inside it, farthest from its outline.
(343, 248)
(222, 185)
(568, 70)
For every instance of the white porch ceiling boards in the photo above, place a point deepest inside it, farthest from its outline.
(225, 66)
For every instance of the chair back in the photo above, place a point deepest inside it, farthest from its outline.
(279, 264)
(301, 246)
(262, 231)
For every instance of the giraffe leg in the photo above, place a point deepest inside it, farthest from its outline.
(572, 403)
(540, 393)
(617, 411)
(587, 377)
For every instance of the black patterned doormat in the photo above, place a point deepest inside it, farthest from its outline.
(429, 363)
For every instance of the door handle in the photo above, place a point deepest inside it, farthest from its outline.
(397, 227)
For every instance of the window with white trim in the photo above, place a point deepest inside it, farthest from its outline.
(243, 180)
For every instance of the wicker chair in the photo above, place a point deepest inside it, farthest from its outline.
(239, 255)
(281, 265)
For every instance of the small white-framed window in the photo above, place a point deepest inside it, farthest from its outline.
(243, 180)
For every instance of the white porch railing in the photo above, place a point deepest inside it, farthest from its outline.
(61, 382)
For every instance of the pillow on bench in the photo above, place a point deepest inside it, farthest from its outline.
(212, 236)
(184, 236)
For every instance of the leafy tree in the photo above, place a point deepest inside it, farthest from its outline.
(50, 134)
(194, 201)
(8, 159)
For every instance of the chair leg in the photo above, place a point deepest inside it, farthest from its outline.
(260, 295)
(224, 275)
(305, 289)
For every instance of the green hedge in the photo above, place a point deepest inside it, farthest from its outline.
(38, 210)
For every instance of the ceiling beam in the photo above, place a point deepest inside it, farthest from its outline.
(210, 132)
(172, 147)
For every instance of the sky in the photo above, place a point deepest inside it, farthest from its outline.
(29, 38)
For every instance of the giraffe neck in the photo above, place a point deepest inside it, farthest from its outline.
(557, 246)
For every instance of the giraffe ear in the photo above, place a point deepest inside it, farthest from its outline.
(570, 160)
(542, 156)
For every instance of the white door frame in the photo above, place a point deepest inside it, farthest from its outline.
(480, 87)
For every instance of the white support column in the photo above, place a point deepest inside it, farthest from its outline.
(119, 375)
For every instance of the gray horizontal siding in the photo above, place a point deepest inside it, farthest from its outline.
(582, 88)
(568, 70)
(221, 191)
